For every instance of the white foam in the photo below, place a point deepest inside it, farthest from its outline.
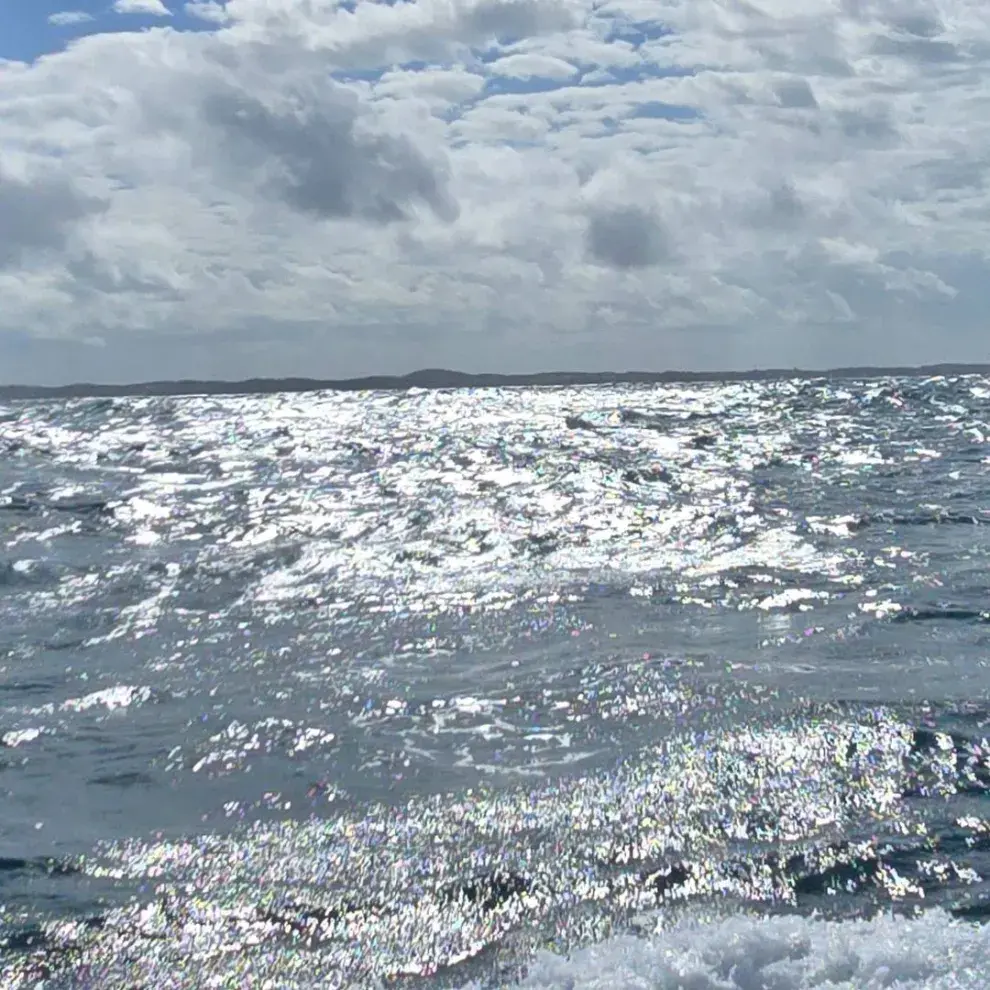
(16, 738)
(118, 696)
(930, 952)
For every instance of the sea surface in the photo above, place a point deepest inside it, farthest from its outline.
(616, 687)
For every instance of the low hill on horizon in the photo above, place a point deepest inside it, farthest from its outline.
(440, 378)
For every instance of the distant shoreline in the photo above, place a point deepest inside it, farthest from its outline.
(435, 378)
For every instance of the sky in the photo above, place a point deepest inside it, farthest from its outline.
(333, 188)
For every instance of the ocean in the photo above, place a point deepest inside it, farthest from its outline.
(617, 687)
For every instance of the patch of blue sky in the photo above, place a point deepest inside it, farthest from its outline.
(25, 32)
(493, 52)
(27, 29)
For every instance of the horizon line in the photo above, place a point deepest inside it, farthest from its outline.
(432, 379)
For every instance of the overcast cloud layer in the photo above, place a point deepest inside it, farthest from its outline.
(326, 188)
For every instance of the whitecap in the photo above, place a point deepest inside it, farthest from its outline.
(930, 952)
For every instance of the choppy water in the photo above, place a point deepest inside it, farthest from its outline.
(598, 687)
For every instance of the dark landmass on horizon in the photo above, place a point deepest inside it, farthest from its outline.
(438, 378)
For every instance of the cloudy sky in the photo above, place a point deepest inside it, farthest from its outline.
(342, 187)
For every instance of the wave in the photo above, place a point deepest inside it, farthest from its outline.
(837, 811)
(930, 952)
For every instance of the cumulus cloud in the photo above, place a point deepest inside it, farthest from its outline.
(532, 65)
(626, 237)
(794, 91)
(207, 10)
(318, 159)
(66, 18)
(38, 212)
(370, 34)
(336, 188)
(151, 8)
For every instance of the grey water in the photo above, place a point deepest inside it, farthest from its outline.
(457, 687)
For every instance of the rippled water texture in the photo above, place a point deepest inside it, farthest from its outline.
(641, 686)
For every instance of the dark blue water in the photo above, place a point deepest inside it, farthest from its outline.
(624, 686)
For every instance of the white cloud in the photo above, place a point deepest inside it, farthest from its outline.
(207, 10)
(440, 88)
(66, 18)
(39, 207)
(326, 189)
(151, 8)
(530, 66)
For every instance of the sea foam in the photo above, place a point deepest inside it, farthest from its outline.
(932, 951)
